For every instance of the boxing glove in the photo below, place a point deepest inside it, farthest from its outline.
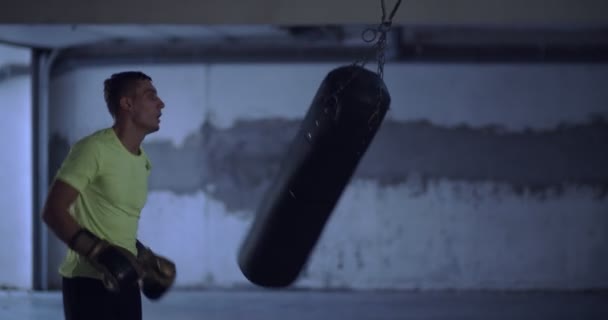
(118, 266)
(158, 272)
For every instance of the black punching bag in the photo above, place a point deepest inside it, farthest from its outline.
(340, 124)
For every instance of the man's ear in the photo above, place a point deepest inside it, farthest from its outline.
(125, 103)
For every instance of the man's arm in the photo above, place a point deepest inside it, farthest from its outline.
(55, 213)
(78, 169)
(119, 266)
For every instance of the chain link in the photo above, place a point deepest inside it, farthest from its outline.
(380, 33)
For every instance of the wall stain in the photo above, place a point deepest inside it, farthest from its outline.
(236, 165)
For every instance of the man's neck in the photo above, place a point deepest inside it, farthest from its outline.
(130, 137)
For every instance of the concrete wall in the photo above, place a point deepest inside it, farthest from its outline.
(482, 176)
(15, 172)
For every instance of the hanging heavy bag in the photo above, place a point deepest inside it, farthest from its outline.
(341, 122)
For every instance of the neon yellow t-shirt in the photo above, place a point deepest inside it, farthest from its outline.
(113, 186)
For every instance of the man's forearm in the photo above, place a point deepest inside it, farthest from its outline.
(63, 225)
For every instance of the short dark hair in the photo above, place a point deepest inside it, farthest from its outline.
(119, 85)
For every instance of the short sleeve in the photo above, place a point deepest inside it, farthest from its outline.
(80, 165)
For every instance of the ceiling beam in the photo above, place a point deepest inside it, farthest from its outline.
(310, 12)
(396, 50)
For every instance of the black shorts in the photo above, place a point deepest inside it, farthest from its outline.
(85, 298)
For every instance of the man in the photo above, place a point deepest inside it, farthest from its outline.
(94, 206)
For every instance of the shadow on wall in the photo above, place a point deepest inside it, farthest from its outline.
(236, 165)
(58, 150)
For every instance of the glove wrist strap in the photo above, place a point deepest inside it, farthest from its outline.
(85, 243)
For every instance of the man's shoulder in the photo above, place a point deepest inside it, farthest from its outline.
(94, 139)
(83, 160)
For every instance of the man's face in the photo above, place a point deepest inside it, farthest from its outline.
(146, 107)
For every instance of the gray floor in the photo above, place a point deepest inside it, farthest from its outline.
(290, 305)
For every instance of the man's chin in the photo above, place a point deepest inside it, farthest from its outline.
(153, 129)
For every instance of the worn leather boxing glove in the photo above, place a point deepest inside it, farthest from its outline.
(158, 272)
(118, 266)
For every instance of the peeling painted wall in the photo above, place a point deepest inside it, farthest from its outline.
(15, 174)
(482, 176)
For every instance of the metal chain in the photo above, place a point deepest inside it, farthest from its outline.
(378, 48)
(379, 32)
